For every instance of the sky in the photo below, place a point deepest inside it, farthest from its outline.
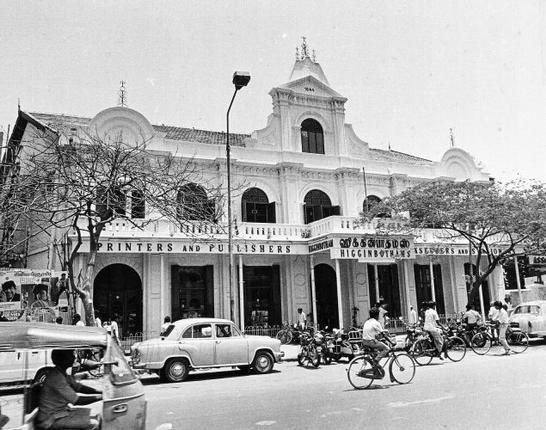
(411, 70)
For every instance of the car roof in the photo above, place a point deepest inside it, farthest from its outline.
(188, 321)
(27, 335)
(533, 302)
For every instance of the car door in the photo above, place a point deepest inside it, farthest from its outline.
(198, 342)
(231, 345)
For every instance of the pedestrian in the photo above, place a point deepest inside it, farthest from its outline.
(98, 322)
(383, 311)
(302, 319)
(492, 316)
(77, 320)
(432, 326)
(165, 325)
(412, 317)
(502, 318)
(111, 327)
(471, 317)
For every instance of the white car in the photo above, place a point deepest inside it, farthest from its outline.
(531, 318)
(195, 343)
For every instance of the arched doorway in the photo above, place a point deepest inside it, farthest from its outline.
(117, 292)
(326, 291)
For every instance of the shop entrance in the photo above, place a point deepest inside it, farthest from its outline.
(192, 292)
(423, 286)
(389, 291)
(326, 291)
(117, 293)
(262, 290)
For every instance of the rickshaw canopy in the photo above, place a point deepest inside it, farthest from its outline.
(27, 335)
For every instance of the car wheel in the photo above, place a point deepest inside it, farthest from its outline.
(263, 362)
(176, 370)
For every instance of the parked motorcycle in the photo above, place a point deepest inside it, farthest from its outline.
(339, 346)
(308, 351)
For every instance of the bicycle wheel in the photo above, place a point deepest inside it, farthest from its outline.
(518, 341)
(302, 355)
(402, 368)
(420, 352)
(480, 343)
(285, 336)
(358, 367)
(455, 348)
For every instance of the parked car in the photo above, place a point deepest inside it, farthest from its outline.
(196, 343)
(531, 318)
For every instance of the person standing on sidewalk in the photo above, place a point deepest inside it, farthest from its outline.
(502, 318)
(302, 319)
(412, 317)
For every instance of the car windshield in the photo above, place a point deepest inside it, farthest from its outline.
(528, 309)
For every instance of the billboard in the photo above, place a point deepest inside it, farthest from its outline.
(32, 294)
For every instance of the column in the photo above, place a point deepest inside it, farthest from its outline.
(432, 286)
(241, 295)
(339, 298)
(376, 281)
(162, 287)
(313, 290)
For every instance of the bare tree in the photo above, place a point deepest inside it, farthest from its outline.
(75, 187)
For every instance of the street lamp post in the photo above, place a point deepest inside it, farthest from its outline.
(240, 80)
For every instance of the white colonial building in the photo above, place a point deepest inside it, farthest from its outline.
(300, 185)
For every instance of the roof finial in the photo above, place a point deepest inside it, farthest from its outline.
(314, 56)
(122, 94)
(18, 105)
(297, 53)
(304, 51)
(451, 137)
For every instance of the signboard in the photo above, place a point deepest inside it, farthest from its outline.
(200, 247)
(373, 248)
(442, 249)
(537, 260)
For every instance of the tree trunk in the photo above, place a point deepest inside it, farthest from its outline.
(474, 291)
(85, 294)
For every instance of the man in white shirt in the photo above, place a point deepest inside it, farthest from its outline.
(412, 317)
(502, 318)
(382, 314)
(302, 319)
(372, 328)
(431, 326)
(471, 317)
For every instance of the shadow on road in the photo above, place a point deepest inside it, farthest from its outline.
(204, 376)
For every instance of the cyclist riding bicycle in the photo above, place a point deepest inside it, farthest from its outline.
(370, 332)
(433, 327)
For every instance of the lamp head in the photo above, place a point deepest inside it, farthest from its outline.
(241, 79)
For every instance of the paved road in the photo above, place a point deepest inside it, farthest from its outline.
(497, 392)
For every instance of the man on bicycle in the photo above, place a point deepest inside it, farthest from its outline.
(371, 330)
(432, 326)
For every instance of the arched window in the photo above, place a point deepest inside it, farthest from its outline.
(317, 205)
(138, 205)
(312, 137)
(110, 202)
(370, 202)
(256, 207)
(193, 204)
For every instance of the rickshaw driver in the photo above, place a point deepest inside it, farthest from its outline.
(59, 390)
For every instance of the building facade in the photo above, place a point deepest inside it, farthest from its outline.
(300, 184)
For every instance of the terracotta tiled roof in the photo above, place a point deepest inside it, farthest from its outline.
(391, 155)
(174, 133)
(201, 136)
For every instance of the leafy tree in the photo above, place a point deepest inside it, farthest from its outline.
(508, 217)
(63, 188)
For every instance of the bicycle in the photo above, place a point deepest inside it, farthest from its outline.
(365, 368)
(483, 340)
(424, 350)
(308, 351)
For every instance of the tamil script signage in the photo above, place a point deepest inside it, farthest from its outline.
(184, 247)
(367, 248)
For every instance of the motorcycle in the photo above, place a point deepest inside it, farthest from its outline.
(339, 346)
(308, 351)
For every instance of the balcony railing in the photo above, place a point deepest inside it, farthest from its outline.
(261, 231)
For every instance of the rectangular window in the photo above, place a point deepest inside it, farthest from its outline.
(192, 292)
(305, 141)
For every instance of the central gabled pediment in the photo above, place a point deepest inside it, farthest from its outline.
(311, 86)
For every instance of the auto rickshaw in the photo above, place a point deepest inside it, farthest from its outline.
(122, 406)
